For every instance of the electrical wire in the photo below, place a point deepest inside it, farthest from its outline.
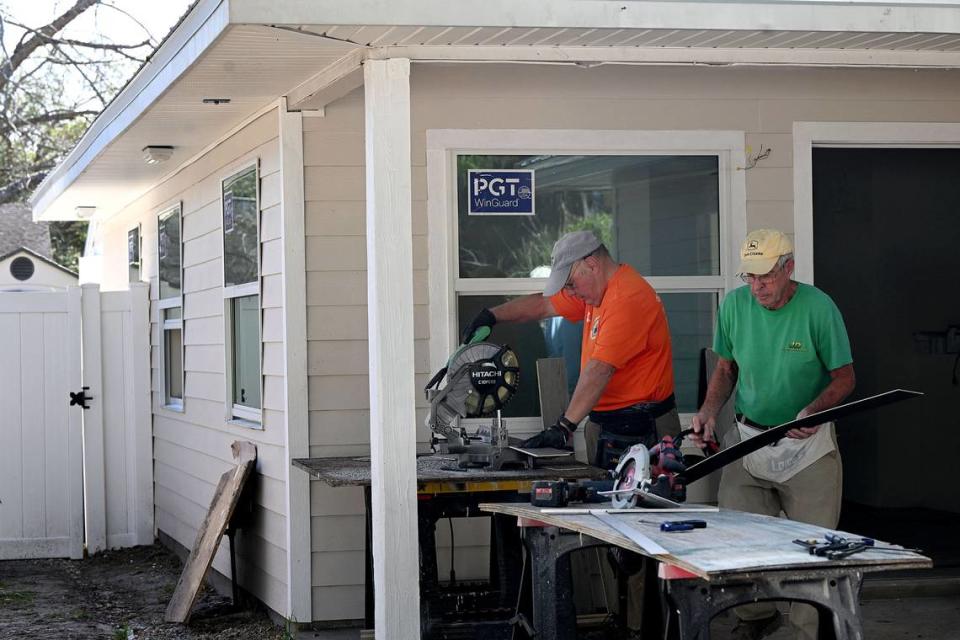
(516, 609)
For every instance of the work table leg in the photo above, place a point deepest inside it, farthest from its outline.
(554, 616)
(835, 593)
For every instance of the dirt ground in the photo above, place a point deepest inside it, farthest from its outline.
(120, 595)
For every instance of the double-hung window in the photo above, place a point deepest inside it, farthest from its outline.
(170, 306)
(660, 203)
(133, 254)
(241, 291)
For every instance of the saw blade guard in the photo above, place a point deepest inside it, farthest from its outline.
(631, 473)
(480, 378)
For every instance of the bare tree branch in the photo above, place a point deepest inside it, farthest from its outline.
(39, 39)
(52, 116)
(150, 39)
(15, 190)
(90, 83)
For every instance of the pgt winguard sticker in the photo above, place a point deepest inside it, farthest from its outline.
(500, 192)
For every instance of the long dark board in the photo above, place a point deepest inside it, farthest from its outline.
(748, 446)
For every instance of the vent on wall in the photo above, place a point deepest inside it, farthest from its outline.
(21, 268)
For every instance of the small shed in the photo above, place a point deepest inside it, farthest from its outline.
(25, 270)
(294, 180)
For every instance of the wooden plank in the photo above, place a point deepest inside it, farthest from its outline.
(733, 543)
(211, 531)
(552, 383)
(338, 472)
(581, 512)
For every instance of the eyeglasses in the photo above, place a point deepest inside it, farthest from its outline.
(568, 285)
(766, 278)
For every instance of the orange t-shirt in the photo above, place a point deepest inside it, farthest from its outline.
(629, 332)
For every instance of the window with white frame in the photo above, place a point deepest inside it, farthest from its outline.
(133, 254)
(241, 292)
(170, 305)
(664, 211)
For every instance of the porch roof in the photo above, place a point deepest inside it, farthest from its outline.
(311, 52)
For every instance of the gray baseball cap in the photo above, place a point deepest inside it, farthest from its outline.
(567, 250)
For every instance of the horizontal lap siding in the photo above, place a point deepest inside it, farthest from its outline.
(763, 103)
(192, 449)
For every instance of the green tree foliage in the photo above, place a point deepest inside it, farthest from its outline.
(52, 86)
(66, 242)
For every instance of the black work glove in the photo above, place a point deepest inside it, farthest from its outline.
(483, 319)
(556, 436)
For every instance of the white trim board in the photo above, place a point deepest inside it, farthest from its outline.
(807, 135)
(756, 56)
(444, 144)
(782, 15)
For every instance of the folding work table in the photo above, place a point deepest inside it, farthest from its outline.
(445, 490)
(736, 559)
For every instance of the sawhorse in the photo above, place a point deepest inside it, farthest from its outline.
(690, 602)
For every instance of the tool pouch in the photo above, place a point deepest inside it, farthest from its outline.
(789, 456)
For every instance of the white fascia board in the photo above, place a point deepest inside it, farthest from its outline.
(182, 48)
(674, 56)
(785, 15)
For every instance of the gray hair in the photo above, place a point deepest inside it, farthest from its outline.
(783, 260)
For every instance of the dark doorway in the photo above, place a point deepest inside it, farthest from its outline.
(887, 249)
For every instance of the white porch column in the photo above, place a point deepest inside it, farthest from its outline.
(390, 317)
(296, 414)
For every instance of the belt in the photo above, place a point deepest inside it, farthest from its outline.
(648, 410)
(750, 423)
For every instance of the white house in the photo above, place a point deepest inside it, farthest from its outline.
(311, 252)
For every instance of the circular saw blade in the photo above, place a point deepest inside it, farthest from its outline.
(627, 480)
(631, 472)
(482, 377)
(470, 353)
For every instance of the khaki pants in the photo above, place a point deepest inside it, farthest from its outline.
(812, 496)
(667, 425)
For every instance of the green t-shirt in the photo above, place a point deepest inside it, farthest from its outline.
(784, 356)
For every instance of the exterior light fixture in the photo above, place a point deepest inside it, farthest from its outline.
(84, 212)
(157, 153)
(216, 101)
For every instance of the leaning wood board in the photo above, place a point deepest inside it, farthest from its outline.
(211, 531)
(733, 542)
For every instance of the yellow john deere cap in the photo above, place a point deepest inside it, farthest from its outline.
(761, 250)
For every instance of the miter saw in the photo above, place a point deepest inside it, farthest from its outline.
(480, 378)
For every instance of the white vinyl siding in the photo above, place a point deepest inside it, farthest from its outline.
(192, 448)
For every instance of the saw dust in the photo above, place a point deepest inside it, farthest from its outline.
(118, 595)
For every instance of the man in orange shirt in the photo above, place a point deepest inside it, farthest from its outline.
(626, 372)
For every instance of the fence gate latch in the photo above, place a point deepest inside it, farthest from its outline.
(80, 398)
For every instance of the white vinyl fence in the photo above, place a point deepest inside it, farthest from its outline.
(73, 478)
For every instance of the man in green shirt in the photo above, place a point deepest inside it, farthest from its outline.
(784, 346)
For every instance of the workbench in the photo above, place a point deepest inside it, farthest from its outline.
(736, 559)
(444, 490)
